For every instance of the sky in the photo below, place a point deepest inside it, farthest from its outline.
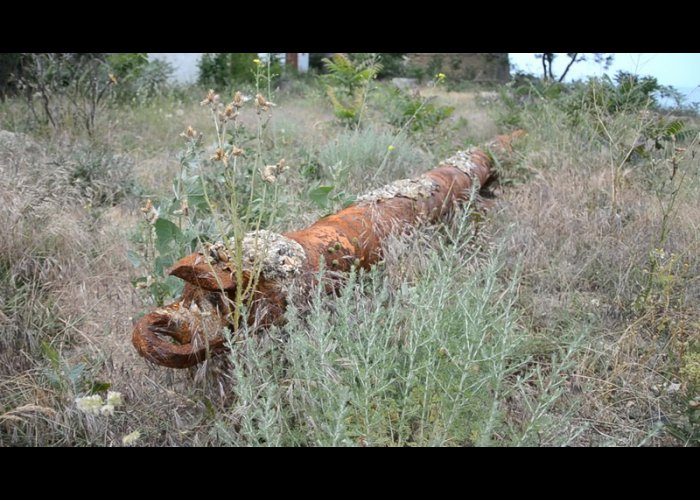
(682, 71)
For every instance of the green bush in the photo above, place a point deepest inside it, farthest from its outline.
(411, 110)
(347, 84)
(392, 63)
(138, 78)
(225, 70)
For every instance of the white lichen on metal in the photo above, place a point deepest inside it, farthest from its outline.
(463, 161)
(415, 189)
(277, 257)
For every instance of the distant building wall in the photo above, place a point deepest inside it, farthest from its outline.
(185, 65)
(491, 67)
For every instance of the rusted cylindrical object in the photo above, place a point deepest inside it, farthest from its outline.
(351, 238)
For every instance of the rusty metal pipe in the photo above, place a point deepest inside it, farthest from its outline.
(349, 239)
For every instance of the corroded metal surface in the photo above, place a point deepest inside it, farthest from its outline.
(186, 332)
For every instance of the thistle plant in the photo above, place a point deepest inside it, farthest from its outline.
(218, 194)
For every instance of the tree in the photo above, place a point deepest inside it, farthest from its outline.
(547, 59)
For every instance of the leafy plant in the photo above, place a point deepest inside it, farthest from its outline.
(416, 113)
(138, 78)
(392, 62)
(329, 198)
(227, 70)
(347, 85)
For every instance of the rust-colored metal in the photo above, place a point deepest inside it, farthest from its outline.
(186, 332)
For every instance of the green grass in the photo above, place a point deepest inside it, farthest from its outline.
(569, 318)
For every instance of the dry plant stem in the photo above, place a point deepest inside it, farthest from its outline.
(347, 240)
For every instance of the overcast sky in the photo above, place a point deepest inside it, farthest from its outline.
(680, 70)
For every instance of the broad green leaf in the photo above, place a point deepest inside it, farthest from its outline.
(166, 233)
(320, 194)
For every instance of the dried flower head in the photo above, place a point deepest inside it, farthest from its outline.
(183, 210)
(269, 173)
(238, 99)
(236, 151)
(263, 104)
(147, 207)
(150, 212)
(220, 155)
(229, 112)
(190, 133)
(211, 98)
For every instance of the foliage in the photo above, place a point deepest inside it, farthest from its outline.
(138, 78)
(413, 111)
(567, 316)
(65, 89)
(227, 70)
(347, 85)
(10, 66)
(392, 63)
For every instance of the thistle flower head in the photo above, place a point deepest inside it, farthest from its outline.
(238, 99)
(190, 133)
(220, 155)
(210, 99)
(263, 104)
(150, 212)
(269, 173)
(229, 112)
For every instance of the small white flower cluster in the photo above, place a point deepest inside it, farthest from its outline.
(95, 405)
(131, 438)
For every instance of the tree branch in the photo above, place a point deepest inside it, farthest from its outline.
(573, 60)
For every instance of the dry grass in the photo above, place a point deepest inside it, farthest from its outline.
(585, 266)
(566, 270)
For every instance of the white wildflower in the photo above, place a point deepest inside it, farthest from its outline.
(89, 404)
(130, 439)
(107, 410)
(114, 398)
